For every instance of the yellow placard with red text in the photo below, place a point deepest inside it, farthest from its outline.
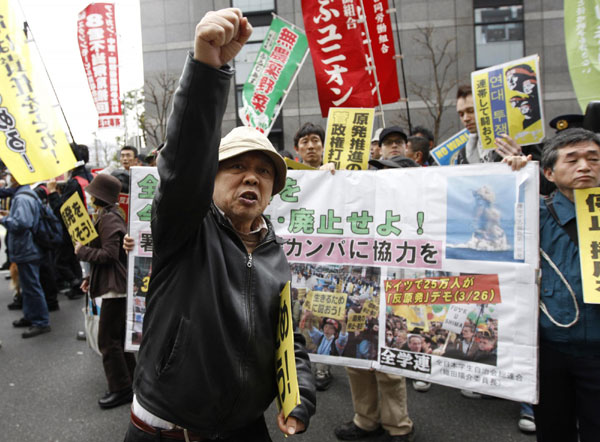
(348, 137)
(288, 393)
(78, 222)
(32, 143)
(587, 206)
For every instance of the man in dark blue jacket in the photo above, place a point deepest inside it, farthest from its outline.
(20, 222)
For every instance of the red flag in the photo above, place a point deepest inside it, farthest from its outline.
(97, 38)
(382, 44)
(338, 54)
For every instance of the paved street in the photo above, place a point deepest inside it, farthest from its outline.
(49, 386)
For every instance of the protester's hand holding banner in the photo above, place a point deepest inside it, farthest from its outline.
(32, 143)
(508, 100)
(587, 206)
(77, 220)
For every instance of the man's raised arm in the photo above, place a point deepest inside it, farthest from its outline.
(188, 163)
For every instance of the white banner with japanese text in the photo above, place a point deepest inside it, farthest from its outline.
(143, 184)
(424, 272)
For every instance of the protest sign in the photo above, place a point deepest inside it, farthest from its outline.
(404, 238)
(32, 143)
(291, 164)
(347, 139)
(409, 250)
(97, 39)
(277, 63)
(124, 205)
(144, 182)
(77, 220)
(587, 206)
(446, 153)
(582, 25)
(508, 100)
(288, 393)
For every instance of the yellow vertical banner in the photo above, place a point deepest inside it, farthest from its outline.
(348, 137)
(77, 220)
(288, 393)
(587, 207)
(32, 143)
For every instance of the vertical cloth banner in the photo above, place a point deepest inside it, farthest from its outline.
(382, 43)
(582, 42)
(32, 143)
(97, 38)
(288, 393)
(347, 140)
(279, 59)
(587, 206)
(144, 182)
(338, 55)
(77, 220)
(508, 100)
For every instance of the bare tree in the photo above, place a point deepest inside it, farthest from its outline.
(158, 94)
(441, 59)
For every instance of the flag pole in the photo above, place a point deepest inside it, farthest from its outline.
(363, 19)
(401, 57)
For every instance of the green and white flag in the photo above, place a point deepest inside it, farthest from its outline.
(582, 40)
(277, 63)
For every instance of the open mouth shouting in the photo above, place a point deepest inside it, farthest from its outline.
(248, 197)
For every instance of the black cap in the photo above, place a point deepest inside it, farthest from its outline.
(392, 130)
(567, 121)
(394, 163)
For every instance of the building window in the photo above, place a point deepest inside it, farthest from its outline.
(259, 15)
(498, 32)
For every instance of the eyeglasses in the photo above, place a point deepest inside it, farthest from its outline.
(397, 141)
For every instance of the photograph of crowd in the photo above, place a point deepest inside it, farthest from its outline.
(336, 308)
(425, 329)
(142, 269)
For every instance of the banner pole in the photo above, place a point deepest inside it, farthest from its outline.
(27, 30)
(402, 67)
(364, 21)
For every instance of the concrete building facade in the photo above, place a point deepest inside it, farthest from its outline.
(479, 33)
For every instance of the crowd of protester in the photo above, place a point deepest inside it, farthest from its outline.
(98, 271)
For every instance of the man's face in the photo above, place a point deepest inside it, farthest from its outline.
(416, 156)
(577, 167)
(467, 333)
(486, 344)
(392, 145)
(414, 344)
(243, 186)
(127, 159)
(466, 113)
(310, 149)
(375, 150)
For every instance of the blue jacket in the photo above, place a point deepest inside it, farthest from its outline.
(23, 217)
(583, 338)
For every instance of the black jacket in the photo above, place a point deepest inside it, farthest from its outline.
(207, 357)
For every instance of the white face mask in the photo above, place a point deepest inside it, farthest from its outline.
(9, 181)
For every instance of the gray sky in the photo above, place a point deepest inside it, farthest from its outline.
(54, 27)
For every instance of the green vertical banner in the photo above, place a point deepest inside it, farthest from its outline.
(582, 30)
(277, 63)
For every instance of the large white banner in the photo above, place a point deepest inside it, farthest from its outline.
(424, 272)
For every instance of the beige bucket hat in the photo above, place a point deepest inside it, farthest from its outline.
(245, 139)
